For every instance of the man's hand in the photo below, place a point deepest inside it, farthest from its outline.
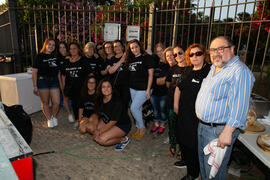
(225, 138)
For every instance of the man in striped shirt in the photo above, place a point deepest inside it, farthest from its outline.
(222, 102)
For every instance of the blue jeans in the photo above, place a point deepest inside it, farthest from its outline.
(205, 135)
(160, 108)
(138, 98)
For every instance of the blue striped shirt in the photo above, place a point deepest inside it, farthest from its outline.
(224, 96)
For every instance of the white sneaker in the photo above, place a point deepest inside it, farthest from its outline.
(55, 121)
(50, 123)
(76, 125)
(70, 118)
(166, 140)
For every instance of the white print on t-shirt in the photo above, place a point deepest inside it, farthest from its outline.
(104, 117)
(120, 68)
(132, 66)
(73, 71)
(51, 62)
(176, 75)
(195, 81)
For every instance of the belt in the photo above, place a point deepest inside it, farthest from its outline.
(212, 124)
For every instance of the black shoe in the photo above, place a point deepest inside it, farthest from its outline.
(180, 164)
(188, 177)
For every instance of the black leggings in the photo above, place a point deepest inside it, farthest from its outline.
(75, 102)
(190, 156)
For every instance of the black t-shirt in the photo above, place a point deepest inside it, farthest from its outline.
(87, 105)
(187, 123)
(138, 71)
(174, 76)
(96, 65)
(46, 64)
(61, 60)
(114, 111)
(123, 73)
(75, 73)
(160, 71)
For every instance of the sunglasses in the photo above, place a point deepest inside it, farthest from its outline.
(199, 53)
(178, 53)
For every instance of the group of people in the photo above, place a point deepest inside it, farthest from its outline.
(199, 101)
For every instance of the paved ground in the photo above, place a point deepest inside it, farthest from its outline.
(77, 157)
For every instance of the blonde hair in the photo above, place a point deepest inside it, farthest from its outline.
(165, 51)
(90, 45)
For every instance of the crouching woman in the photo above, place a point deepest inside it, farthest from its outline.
(110, 123)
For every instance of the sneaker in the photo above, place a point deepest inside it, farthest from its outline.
(180, 164)
(70, 118)
(122, 145)
(55, 121)
(154, 129)
(166, 140)
(50, 123)
(160, 130)
(76, 125)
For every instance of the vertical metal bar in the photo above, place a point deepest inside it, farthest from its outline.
(53, 27)
(139, 16)
(65, 15)
(160, 27)
(209, 30)
(59, 21)
(258, 36)
(196, 21)
(114, 14)
(265, 51)
(47, 22)
(132, 16)
(108, 19)
(151, 27)
(89, 24)
(71, 23)
(102, 22)
(241, 27)
(235, 13)
(77, 21)
(30, 41)
(95, 30)
(202, 26)
(249, 32)
(189, 20)
(183, 21)
(41, 24)
(145, 29)
(171, 22)
(155, 32)
(225, 31)
(35, 26)
(84, 25)
(166, 18)
(220, 11)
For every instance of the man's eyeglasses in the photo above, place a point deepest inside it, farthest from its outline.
(219, 49)
(199, 53)
(178, 53)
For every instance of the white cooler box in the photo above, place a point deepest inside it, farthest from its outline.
(18, 89)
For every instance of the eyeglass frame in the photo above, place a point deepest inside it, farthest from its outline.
(219, 49)
(178, 53)
(198, 54)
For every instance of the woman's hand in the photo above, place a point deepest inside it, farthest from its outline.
(148, 94)
(96, 134)
(35, 91)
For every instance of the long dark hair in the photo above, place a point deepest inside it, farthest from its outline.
(129, 54)
(58, 46)
(84, 90)
(99, 95)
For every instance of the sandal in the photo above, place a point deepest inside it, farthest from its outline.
(172, 151)
(133, 134)
(179, 155)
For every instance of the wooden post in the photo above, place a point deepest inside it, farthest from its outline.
(175, 26)
(151, 28)
(14, 35)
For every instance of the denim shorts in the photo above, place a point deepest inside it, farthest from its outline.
(45, 82)
(124, 127)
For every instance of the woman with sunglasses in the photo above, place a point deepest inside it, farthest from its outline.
(174, 75)
(184, 105)
(74, 73)
(46, 78)
(159, 94)
(100, 51)
(141, 70)
(118, 74)
(110, 123)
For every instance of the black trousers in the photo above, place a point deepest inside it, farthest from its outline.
(190, 156)
(75, 102)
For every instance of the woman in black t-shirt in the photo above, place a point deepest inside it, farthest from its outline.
(110, 124)
(74, 73)
(159, 94)
(87, 102)
(119, 74)
(141, 70)
(108, 49)
(46, 77)
(186, 91)
(62, 58)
